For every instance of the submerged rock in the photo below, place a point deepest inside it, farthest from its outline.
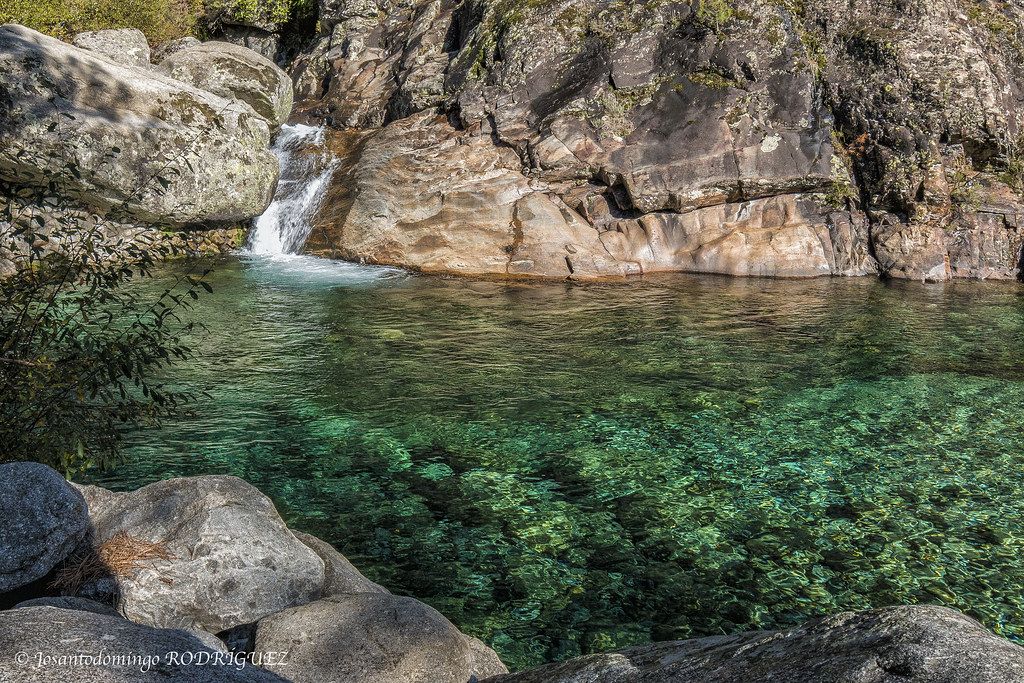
(42, 521)
(124, 138)
(908, 644)
(123, 45)
(235, 72)
(232, 559)
(372, 638)
(55, 643)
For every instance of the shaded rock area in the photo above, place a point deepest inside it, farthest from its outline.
(123, 652)
(122, 129)
(43, 520)
(748, 137)
(905, 644)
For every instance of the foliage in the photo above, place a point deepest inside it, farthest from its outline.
(78, 343)
(160, 20)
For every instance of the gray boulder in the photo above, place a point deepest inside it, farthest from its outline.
(122, 45)
(123, 652)
(236, 72)
(165, 50)
(43, 521)
(233, 559)
(372, 638)
(891, 645)
(340, 576)
(155, 149)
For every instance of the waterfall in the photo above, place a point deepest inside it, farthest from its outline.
(306, 169)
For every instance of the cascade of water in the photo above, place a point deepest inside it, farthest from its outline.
(306, 169)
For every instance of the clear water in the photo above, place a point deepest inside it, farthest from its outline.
(563, 469)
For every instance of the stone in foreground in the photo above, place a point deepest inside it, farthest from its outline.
(42, 518)
(892, 645)
(373, 638)
(60, 634)
(234, 560)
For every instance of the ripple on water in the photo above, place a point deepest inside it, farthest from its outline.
(570, 468)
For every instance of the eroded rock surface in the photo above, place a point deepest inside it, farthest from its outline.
(748, 137)
(896, 644)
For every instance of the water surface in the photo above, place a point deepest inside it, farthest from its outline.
(562, 469)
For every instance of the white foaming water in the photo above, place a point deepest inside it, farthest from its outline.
(306, 169)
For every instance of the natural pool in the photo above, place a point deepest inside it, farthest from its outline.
(569, 468)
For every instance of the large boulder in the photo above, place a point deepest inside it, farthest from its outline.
(232, 559)
(43, 521)
(125, 138)
(45, 644)
(122, 45)
(890, 645)
(372, 638)
(235, 72)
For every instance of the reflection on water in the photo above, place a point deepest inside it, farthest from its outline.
(570, 468)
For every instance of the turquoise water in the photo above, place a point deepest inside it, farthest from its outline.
(563, 469)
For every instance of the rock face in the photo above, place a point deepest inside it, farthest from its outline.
(43, 520)
(124, 45)
(749, 137)
(235, 72)
(372, 638)
(907, 644)
(127, 139)
(124, 652)
(233, 559)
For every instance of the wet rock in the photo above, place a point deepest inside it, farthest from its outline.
(123, 45)
(128, 125)
(372, 638)
(43, 520)
(232, 562)
(235, 72)
(123, 652)
(924, 644)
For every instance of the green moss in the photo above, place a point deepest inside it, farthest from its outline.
(712, 79)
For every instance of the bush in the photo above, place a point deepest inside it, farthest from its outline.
(160, 20)
(79, 340)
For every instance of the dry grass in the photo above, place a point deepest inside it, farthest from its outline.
(118, 557)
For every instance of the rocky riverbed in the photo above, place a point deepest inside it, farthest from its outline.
(199, 579)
